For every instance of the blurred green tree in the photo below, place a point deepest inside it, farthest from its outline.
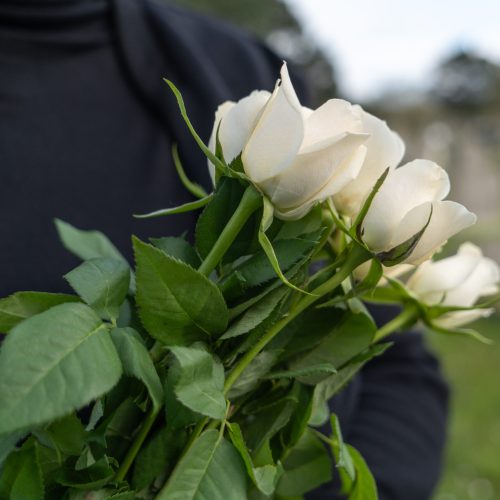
(465, 81)
(273, 22)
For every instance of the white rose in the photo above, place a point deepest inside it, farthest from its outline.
(457, 281)
(402, 207)
(295, 156)
(385, 148)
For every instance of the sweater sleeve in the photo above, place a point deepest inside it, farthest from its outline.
(398, 422)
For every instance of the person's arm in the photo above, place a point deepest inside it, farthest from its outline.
(395, 414)
(400, 422)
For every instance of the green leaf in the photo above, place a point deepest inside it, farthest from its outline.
(294, 430)
(269, 417)
(267, 246)
(307, 466)
(339, 449)
(215, 217)
(327, 388)
(52, 363)
(200, 382)
(66, 435)
(402, 251)
(306, 331)
(256, 314)
(97, 475)
(310, 223)
(137, 363)
(347, 339)
(178, 248)
(101, 494)
(8, 443)
(186, 207)
(258, 270)
(249, 379)
(296, 271)
(157, 457)
(177, 304)
(194, 188)
(90, 245)
(319, 369)
(265, 477)
(102, 283)
(177, 415)
(21, 477)
(364, 487)
(21, 305)
(211, 469)
(86, 244)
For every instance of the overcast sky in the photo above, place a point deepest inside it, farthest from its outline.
(378, 44)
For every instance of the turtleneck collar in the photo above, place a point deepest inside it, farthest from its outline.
(70, 23)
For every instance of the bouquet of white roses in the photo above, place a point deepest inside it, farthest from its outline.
(204, 371)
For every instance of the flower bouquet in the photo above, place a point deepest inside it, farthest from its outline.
(205, 371)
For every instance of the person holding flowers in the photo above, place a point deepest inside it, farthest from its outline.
(284, 177)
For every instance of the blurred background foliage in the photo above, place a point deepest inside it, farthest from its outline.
(456, 122)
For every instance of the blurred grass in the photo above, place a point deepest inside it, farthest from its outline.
(472, 463)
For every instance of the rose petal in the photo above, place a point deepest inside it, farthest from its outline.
(448, 218)
(311, 173)
(456, 319)
(221, 112)
(239, 123)
(478, 284)
(334, 118)
(385, 149)
(444, 275)
(278, 134)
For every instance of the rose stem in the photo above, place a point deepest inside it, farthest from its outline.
(356, 257)
(250, 202)
(406, 318)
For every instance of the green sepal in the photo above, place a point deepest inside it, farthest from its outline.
(219, 165)
(356, 230)
(467, 332)
(194, 188)
(402, 251)
(186, 207)
(265, 243)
